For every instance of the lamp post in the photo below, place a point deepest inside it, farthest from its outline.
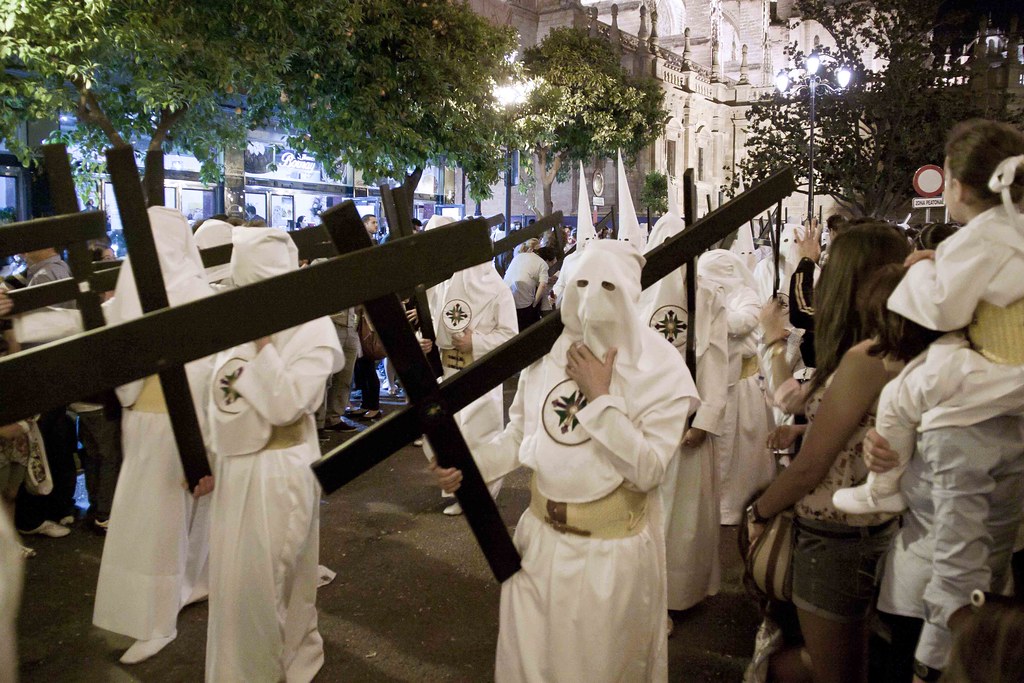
(783, 81)
(509, 97)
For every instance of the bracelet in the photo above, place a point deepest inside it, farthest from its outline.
(754, 516)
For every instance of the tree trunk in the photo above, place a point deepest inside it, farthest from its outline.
(545, 179)
(412, 181)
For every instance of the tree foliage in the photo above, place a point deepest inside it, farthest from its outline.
(390, 85)
(583, 104)
(654, 194)
(153, 70)
(891, 120)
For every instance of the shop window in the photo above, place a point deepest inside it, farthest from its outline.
(255, 205)
(282, 211)
(171, 197)
(8, 199)
(197, 204)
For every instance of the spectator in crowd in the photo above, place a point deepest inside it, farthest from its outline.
(835, 554)
(51, 514)
(527, 277)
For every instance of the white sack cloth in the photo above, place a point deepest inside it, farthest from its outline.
(265, 520)
(154, 556)
(587, 609)
(689, 495)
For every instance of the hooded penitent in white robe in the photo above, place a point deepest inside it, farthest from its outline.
(584, 608)
(477, 299)
(689, 496)
(435, 295)
(265, 532)
(745, 464)
(789, 258)
(154, 556)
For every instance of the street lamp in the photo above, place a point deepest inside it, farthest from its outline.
(811, 67)
(509, 97)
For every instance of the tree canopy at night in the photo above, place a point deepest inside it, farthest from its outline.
(583, 104)
(873, 136)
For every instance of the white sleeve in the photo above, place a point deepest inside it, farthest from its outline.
(281, 389)
(501, 455)
(506, 326)
(641, 454)
(47, 324)
(744, 309)
(899, 414)
(942, 294)
(713, 369)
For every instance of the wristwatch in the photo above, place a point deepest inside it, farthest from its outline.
(926, 673)
(754, 517)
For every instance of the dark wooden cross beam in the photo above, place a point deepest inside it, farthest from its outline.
(398, 211)
(147, 271)
(90, 362)
(517, 237)
(361, 453)
(433, 416)
(690, 218)
(313, 243)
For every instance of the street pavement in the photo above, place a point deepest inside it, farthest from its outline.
(413, 599)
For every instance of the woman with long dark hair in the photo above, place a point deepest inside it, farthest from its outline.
(835, 554)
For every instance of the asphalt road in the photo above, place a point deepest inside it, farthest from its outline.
(413, 599)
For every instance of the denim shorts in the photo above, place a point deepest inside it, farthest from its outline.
(835, 567)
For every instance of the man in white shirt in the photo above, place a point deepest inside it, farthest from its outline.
(527, 277)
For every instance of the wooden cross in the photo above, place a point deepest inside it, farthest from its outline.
(433, 417)
(164, 339)
(433, 405)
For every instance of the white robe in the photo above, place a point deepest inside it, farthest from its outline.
(584, 609)
(689, 494)
(12, 571)
(745, 463)
(493, 321)
(264, 534)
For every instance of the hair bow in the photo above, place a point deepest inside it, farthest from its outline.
(1002, 179)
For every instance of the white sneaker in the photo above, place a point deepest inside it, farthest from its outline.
(67, 520)
(51, 529)
(858, 500)
(453, 510)
(26, 552)
(418, 442)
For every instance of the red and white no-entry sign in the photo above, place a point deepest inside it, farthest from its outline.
(929, 181)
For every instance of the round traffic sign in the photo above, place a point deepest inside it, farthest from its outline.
(929, 181)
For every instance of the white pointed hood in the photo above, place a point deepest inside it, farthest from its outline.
(437, 220)
(215, 233)
(673, 199)
(629, 225)
(181, 267)
(584, 222)
(237, 428)
(743, 247)
(469, 294)
(261, 253)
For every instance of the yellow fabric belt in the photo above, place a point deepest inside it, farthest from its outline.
(285, 437)
(620, 514)
(456, 360)
(151, 399)
(749, 368)
(997, 333)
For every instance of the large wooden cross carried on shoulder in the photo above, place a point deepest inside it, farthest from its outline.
(432, 406)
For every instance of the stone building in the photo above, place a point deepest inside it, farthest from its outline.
(714, 58)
